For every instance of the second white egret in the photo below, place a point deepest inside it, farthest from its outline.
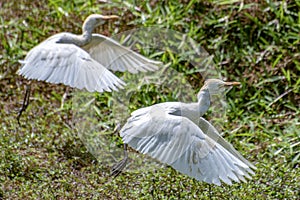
(82, 61)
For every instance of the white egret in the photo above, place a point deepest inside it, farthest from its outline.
(175, 133)
(83, 61)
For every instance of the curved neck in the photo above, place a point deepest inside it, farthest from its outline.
(78, 40)
(203, 101)
(194, 111)
(87, 30)
(86, 37)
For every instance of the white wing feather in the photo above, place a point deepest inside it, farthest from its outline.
(212, 132)
(116, 57)
(180, 143)
(68, 64)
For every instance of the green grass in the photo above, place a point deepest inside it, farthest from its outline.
(256, 43)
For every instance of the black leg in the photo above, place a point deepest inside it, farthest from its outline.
(25, 103)
(118, 167)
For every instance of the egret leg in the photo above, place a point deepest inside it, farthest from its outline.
(118, 167)
(25, 103)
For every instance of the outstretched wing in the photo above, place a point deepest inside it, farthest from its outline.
(212, 132)
(116, 57)
(180, 143)
(68, 64)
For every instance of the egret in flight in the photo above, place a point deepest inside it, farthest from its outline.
(175, 133)
(82, 61)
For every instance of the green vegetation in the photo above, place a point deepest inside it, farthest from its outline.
(254, 42)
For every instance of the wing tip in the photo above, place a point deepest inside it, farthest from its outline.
(22, 62)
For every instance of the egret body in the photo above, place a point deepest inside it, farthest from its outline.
(175, 133)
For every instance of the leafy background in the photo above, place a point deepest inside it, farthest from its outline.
(254, 42)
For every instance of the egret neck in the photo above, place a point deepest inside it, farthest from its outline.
(194, 111)
(203, 101)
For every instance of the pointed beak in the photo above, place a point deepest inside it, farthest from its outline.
(110, 17)
(232, 83)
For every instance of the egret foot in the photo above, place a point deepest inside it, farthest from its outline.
(25, 103)
(118, 167)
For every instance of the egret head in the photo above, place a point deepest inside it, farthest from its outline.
(95, 20)
(215, 86)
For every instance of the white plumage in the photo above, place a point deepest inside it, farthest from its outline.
(175, 133)
(82, 61)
